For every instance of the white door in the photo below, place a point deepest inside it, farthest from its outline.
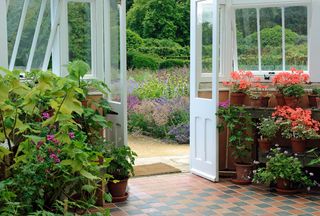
(115, 68)
(204, 90)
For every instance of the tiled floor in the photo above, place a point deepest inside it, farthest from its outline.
(186, 194)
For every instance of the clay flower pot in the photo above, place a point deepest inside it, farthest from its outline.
(312, 101)
(284, 186)
(255, 102)
(318, 102)
(298, 145)
(244, 174)
(237, 98)
(264, 145)
(118, 190)
(264, 101)
(292, 101)
(280, 99)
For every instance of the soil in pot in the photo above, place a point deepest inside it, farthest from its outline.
(118, 190)
(244, 174)
(280, 99)
(312, 101)
(298, 146)
(237, 98)
(264, 145)
(284, 186)
(292, 101)
(255, 102)
(264, 101)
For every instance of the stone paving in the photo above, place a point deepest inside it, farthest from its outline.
(187, 194)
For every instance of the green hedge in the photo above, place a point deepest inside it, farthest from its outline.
(171, 63)
(139, 60)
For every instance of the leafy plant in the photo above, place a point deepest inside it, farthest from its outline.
(280, 165)
(123, 159)
(239, 122)
(293, 91)
(267, 128)
(316, 91)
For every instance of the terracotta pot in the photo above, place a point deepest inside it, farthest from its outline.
(84, 103)
(280, 99)
(318, 102)
(312, 100)
(284, 186)
(292, 101)
(244, 174)
(264, 101)
(255, 102)
(264, 145)
(237, 98)
(298, 145)
(118, 190)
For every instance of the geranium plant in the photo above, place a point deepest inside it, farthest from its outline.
(242, 81)
(296, 123)
(267, 128)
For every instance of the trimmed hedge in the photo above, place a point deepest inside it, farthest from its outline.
(171, 63)
(139, 60)
(134, 40)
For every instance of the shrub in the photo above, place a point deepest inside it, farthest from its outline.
(293, 91)
(173, 63)
(134, 41)
(150, 89)
(140, 60)
(180, 133)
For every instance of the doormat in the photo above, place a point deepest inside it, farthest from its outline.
(154, 169)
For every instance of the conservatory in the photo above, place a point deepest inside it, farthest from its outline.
(254, 108)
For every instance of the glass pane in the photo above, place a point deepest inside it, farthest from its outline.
(79, 20)
(42, 39)
(204, 45)
(296, 23)
(115, 50)
(271, 39)
(247, 40)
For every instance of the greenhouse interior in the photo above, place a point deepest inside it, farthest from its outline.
(223, 94)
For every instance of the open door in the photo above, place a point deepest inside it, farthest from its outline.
(204, 89)
(116, 68)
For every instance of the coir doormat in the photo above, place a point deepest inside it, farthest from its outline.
(154, 169)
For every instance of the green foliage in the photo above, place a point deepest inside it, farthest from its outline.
(282, 166)
(160, 19)
(267, 128)
(134, 41)
(139, 60)
(239, 122)
(123, 158)
(316, 91)
(293, 91)
(173, 63)
(315, 161)
(151, 89)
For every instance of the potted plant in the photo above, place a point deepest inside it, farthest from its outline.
(238, 121)
(265, 98)
(286, 79)
(296, 125)
(121, 168)
(283, 170)
(314, 98)
(292, 95)
(241, 82)
(267, 130)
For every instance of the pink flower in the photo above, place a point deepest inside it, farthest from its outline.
(55, 158)
(39, 144)
(71, 135)
(50, 137)
(45, 115)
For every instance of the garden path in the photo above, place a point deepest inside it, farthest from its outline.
(152, 150)
(186, 194)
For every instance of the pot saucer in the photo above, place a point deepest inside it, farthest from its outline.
(120, 199)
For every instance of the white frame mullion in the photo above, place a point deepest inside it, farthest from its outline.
(259, 39)
(3, 36)
(8, 3)
(36, 34)
(283, 38)
(19, 33)
(52, 36)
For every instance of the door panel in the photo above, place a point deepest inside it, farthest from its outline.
(203, 121)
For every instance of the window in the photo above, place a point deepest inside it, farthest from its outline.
(271, 38)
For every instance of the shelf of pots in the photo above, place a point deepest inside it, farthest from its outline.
(267, 130)
(284, 171)
(297, 126)
(244, 83)
(121, 168)
(289, 87)
(238, 121)
(314, 98)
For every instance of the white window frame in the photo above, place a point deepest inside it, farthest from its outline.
(272, 4)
